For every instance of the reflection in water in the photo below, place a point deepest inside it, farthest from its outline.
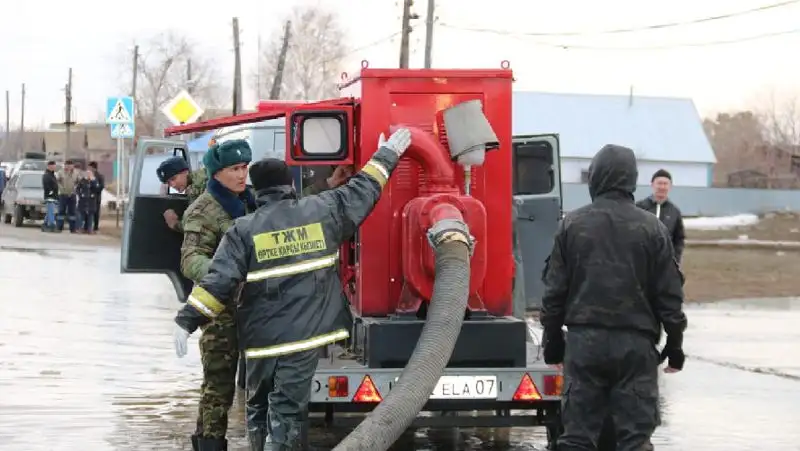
(86, 362)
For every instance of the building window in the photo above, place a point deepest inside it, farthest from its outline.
(795, 164)
(584, 176)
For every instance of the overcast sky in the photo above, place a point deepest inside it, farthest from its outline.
(39, 42)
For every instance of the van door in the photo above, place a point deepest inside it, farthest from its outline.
(148, 245)
(537, 198)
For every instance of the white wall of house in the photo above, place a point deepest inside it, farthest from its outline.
(683, 174)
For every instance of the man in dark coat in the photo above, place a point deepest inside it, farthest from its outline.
(660, 205)
(101, 185)
(50, 186)
(613, 280)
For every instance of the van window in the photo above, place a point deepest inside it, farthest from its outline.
(533, 167)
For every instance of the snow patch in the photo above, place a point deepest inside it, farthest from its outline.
(720, 223)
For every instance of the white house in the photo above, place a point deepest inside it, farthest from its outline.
(665, 133)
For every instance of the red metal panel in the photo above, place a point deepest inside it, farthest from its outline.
(416, 98)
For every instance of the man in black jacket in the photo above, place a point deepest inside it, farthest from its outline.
(660, 205)
(101, 185)
(613, 280)
(50, 185)
(284, 257)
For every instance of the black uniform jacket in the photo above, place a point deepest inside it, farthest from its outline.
(284, 257)
(612, 264)
(671, 216)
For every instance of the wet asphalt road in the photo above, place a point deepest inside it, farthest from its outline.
(86, 363)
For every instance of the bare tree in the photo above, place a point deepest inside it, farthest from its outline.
(314, 58)
(781, 118)
(166, 60)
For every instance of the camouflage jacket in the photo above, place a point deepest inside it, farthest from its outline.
(197, 186)
(204, 224)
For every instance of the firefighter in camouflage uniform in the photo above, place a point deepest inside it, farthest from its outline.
(175, 173)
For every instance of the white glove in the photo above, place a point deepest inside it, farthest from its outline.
(181, 338)
(398, 142)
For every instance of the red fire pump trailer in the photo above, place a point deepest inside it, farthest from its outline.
(388, 269)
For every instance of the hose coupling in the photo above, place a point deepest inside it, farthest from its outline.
(449, 230)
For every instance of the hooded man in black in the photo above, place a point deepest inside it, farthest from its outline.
(613, 280)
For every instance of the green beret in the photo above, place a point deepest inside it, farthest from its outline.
(229, 153)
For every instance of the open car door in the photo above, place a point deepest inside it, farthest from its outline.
(537, 198)
(148, 245)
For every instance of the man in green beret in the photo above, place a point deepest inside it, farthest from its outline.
(226, 198)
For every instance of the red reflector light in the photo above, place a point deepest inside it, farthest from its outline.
(553, 384)
(337, 387)
(367, 392)
(526, 391)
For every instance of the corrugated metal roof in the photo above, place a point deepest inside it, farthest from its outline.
(656, 128)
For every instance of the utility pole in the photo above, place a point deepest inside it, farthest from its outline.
(406, 31)
(258, 68)
(68, 123)
(189, 83)
(237, 69)
(429, 33)
(135, 75)
(275, 92)
(8, 121)
(21, 126)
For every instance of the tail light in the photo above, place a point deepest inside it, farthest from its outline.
(338, 387)
(527, 391)
(367, 392)
(553, 384)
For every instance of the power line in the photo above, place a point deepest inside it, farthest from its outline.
(666, 46)
(659, 26)
(367, 46)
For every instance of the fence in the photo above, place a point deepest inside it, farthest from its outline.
(700, 201)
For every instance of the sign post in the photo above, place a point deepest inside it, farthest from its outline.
(120, 115)
(182, 109)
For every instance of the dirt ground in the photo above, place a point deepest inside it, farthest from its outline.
(725, 273)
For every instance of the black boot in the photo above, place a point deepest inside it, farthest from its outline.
(212, 444)
(257, 438)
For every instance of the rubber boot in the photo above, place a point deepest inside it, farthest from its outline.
(257, 439)
(212, 444)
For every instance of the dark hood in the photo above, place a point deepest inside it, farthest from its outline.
(613, 170)
(275, 193)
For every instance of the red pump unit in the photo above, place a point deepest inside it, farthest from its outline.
(388, 268)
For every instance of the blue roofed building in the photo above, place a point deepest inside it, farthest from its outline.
(665, 133)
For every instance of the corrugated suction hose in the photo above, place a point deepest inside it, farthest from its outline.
(384, 425)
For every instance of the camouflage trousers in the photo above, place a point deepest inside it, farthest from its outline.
(219, 351)
(614, 374)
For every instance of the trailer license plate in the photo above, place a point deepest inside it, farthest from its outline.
(466, 387)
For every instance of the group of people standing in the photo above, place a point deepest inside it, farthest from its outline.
(233, 309)
(73, 197)
(613, 279)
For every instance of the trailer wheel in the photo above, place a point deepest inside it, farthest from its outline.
(19, 215)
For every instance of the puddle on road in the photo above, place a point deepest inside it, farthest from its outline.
(86, 362)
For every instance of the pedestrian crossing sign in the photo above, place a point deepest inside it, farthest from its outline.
(119, 110)
(123, 130)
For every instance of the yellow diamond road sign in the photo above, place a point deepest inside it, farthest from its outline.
(182, 109)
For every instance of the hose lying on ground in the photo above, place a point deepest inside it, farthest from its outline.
(384, 425)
